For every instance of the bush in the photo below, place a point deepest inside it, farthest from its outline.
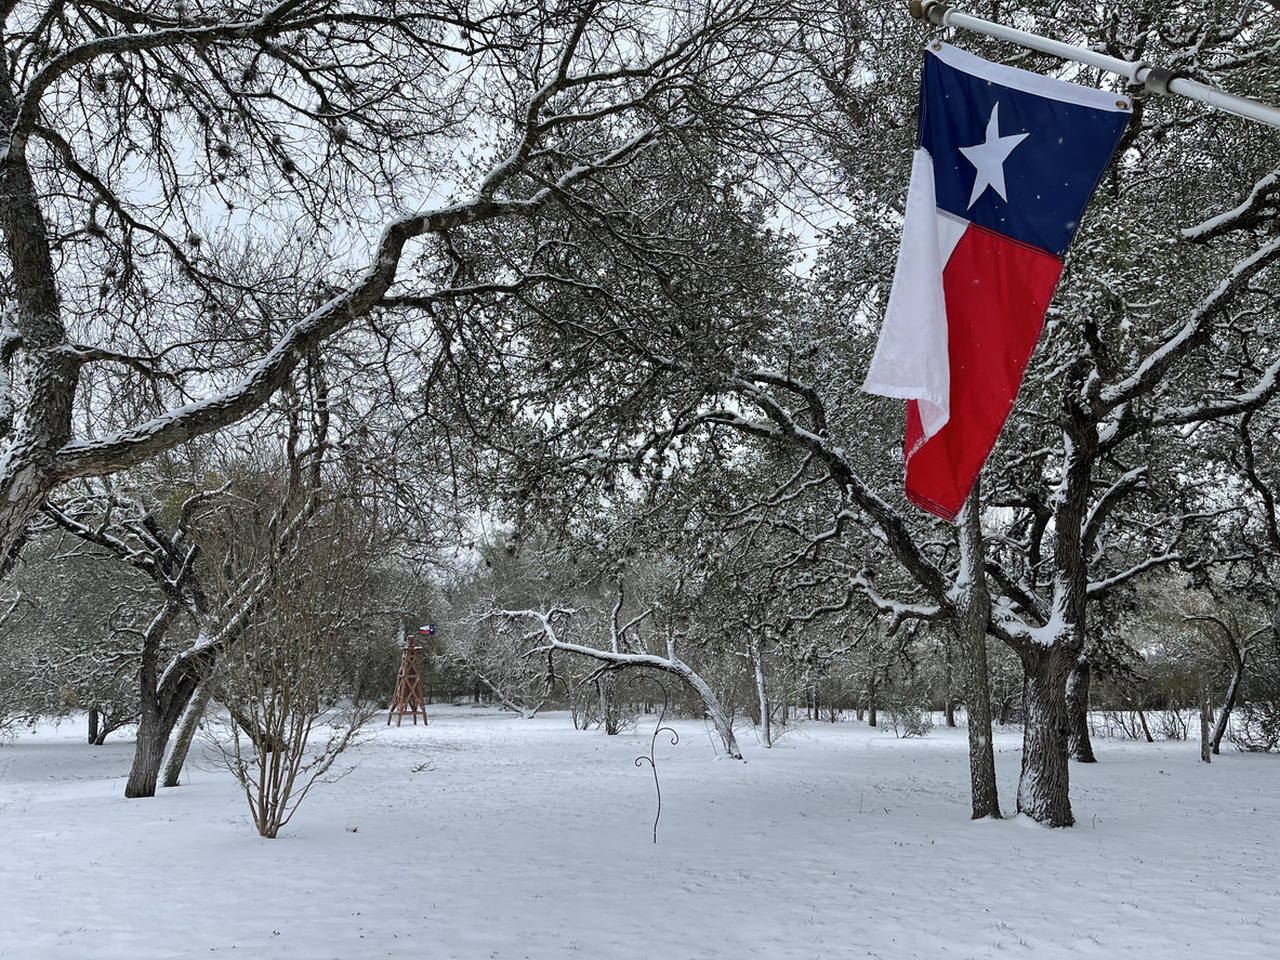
(909, 714)
(292, 670)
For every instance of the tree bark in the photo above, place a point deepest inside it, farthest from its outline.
(1079, 744)
(153, 735)
(762, 693)
(191, 718)
(161, 703)
(949, 706)
(973, 611)
(1206, 709)
(604, 692)
(167, 699)
(1224, 718)
(610, 709)
(1146, 730)
(1044, 786)
(152, 732)
(1006, 704)
(93, 725)
(1048, 657)
(1237, 650)
(27, 469)
(982, 763)
(719, 719)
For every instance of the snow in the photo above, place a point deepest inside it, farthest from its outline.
(489, 836)
(1262, 191)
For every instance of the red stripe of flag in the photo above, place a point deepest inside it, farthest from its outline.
(997, 291)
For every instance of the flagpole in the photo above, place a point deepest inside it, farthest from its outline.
(1155, 79)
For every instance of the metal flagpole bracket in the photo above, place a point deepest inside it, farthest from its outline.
(1140, 73)
(1157, 79)
(930, 10)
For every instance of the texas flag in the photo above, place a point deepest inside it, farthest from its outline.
(1004, 166)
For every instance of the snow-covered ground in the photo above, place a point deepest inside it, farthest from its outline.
(488, 836)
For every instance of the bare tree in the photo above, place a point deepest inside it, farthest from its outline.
(312, 126)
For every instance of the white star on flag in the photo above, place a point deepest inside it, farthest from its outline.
(989, 156)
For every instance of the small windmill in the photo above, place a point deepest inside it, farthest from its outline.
(408, 698)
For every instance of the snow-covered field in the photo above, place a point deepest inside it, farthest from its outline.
(488, 836)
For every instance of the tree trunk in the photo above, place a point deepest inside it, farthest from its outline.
(973, 611)
(949, 706)
(603, 692)
(1142, 718)
(153, 735)
(153, 730)
(93, 725)
(982, 762)
(161, 702)
(191, 718)
(28, 471)
(260, 738)
(1079, 744)
(1238, 657)
(762, 693)
(719, 719)
(1206, 709)
(1049, 656)
(871, 700)
(1044, 787)
(1224, 718)
(610, 712)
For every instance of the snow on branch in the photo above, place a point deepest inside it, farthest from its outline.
(784, 428)
(1018, 590)
(898, 612)
(1098, 588)
(1252, 399)
(1259, 205)
(1152, 370)
(1107, 503)
(612, 661)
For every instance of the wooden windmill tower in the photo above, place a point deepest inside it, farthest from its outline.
(408, 698)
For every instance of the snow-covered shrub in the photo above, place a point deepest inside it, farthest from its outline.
(290, 676)
(1256, 727)
(1175, 724)
(1256, 724)
(909, 714)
